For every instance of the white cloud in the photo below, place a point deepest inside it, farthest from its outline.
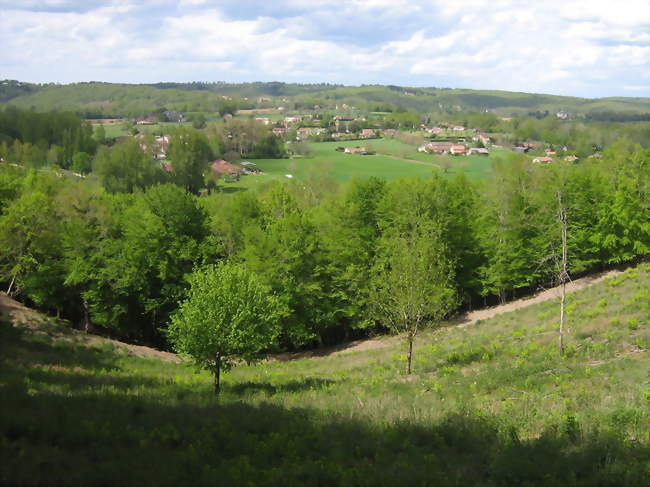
(571, 47)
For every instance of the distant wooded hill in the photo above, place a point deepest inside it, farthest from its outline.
(97, 99)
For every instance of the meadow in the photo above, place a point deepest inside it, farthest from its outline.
(493, 403)
(393, 160)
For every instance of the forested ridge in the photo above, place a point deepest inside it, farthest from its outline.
(121, 260)
(98, 99)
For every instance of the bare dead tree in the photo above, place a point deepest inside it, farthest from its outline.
(563, 274)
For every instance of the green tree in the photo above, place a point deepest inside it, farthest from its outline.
(413, 282)
(81, 163)
(228, 316)
(100, 134)
(126, 167)
(189, 153)
(198, 121)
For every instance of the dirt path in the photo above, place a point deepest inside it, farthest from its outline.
(19, 315)
(466, 319)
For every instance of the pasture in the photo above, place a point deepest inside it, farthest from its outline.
(393, 159)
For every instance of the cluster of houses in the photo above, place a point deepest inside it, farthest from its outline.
(443, 127)
(453, 149)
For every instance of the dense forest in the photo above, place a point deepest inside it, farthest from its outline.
(111, 254)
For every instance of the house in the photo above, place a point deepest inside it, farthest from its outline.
(367, 134)
(437, 147)
(355, 150)
(484, 138)
(480, 151)
(435, 130)
(389, 132)
(337, 135)
(279, 131)
(457, 150)
(562, 115)
(457, 128)
(290, 120)
(544, 160)
(309, 131)
(226, 168)
(550, 152)
(571, 158)
(597, 155)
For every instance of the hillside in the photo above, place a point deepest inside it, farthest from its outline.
(96, 98)
(489, 404)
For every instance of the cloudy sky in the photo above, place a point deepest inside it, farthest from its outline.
(575, 47)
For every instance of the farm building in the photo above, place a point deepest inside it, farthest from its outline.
(481, 151)
(544, 160)
(224, 167)
(355, 150)
(484, 138)
(436, 147)
(458, 150)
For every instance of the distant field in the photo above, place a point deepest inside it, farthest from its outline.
(394, 159)
(118, 130)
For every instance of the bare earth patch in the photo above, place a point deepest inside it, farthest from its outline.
(21, 316)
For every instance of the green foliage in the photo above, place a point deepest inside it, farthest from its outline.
(189, 153)
(125, 167)
(81, 163)
(228, 316)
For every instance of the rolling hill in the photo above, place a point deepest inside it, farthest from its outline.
(109, 99)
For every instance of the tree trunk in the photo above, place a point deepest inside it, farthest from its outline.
(217, 376)
(409, 356)
(561, 338)
(564, 274)
(86, 317)
(11, 285)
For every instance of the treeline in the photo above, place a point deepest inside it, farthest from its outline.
(618, 117)
(121, 261)
(36, 139)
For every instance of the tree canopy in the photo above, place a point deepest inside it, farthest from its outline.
(228, 315)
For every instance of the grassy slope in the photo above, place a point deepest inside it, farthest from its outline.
(490, 404)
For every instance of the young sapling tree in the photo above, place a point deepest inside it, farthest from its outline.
(228, 316)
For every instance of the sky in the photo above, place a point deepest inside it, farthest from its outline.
(588, 48)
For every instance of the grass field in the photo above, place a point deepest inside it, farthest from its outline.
(118, 130)
(488, 404)
(394, 159)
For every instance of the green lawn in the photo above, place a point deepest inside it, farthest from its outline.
(394, 159)
(489, 404)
